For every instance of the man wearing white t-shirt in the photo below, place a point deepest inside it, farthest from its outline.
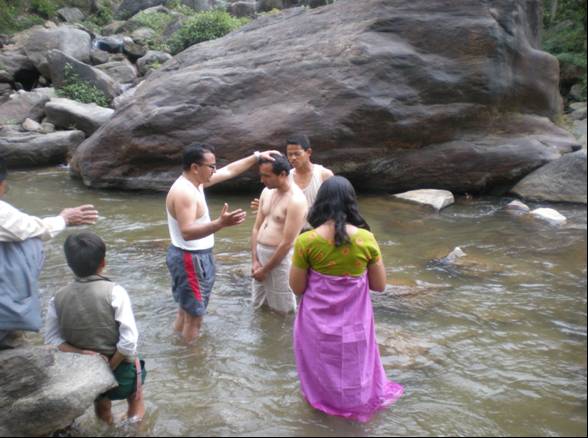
(189, 258)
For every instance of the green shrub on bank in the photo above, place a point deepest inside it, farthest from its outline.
(15, 16)
(77, 89)
(565, 33)
(204, 26)
(44, 8)
(157, 21)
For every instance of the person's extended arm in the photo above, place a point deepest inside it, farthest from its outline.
(18, 226)
(186, 209)
(377, 276)
(294, 222)
(298, 279)
(236, 168)
(255, 264)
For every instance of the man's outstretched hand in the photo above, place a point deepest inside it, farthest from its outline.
(229, 218)
(82, 215)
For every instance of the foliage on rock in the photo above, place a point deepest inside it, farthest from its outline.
(204, 26)
(77, 89)
(565, 33)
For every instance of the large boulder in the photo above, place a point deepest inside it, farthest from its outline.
(13, 60)
(24, 105)
(28, 149)
(395, 95)
(152, 60)
(71, 41)
(128, 8)
(92, 75)
(71, 15)
(87, 117)
(563, 180)
(121, 71)
(5, 92)
(43, 390)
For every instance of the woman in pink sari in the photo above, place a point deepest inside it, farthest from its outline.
(333, 268)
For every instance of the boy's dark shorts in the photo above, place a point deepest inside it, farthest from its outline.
(193, 274)
(126, 376)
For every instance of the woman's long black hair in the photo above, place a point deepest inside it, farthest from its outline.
(336, 200)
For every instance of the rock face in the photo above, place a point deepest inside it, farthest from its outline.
(57, 62)
(24, 105)
(29, 149)
(69, 40)
(43, 390)
(563, 180)
(87, 117)
(395, 95)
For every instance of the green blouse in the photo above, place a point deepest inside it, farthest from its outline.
(314, 251)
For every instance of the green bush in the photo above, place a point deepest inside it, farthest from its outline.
(14, 17)
(204, 26)
(44, 8)
(76, 89)
(157, 21)
(565, 33)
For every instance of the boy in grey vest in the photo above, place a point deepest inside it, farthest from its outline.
(93, 315)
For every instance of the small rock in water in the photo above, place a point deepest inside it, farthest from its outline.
(454, 255)
(518, 206)
(438, 199)
(550, 215)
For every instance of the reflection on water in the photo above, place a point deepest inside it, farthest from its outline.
(495, 345)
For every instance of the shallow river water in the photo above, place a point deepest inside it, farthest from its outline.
(493, 346)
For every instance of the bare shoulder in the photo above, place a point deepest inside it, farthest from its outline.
(298, 199)
(326, 173)
(265, 193)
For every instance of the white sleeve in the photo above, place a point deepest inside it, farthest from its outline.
(52, 332)
(18, 226)
(123, 314)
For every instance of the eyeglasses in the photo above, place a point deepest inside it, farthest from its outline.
(212, 166)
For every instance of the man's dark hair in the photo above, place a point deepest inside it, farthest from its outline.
(2, 169)
(84, 252)
(194, 154)
(279, 165)
(299, 139)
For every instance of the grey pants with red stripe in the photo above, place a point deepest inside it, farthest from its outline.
(193, 274)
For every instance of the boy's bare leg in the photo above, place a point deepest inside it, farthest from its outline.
(103, 409)
(179, 322)
(136, 409)
(192, 325)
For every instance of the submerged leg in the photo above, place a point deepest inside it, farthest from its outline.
(103, 410)
(192, 325)
(136, 410)
(179, 322)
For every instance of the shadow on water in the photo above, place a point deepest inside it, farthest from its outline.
(494, 344)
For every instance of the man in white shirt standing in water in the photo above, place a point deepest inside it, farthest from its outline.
(189, 258)
(305, 174)
(21, 260)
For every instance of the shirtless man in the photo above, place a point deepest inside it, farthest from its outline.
(306, 175)
(280, 217)
(189, 258)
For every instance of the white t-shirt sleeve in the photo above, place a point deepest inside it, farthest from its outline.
(123, 314)
(52, 332)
